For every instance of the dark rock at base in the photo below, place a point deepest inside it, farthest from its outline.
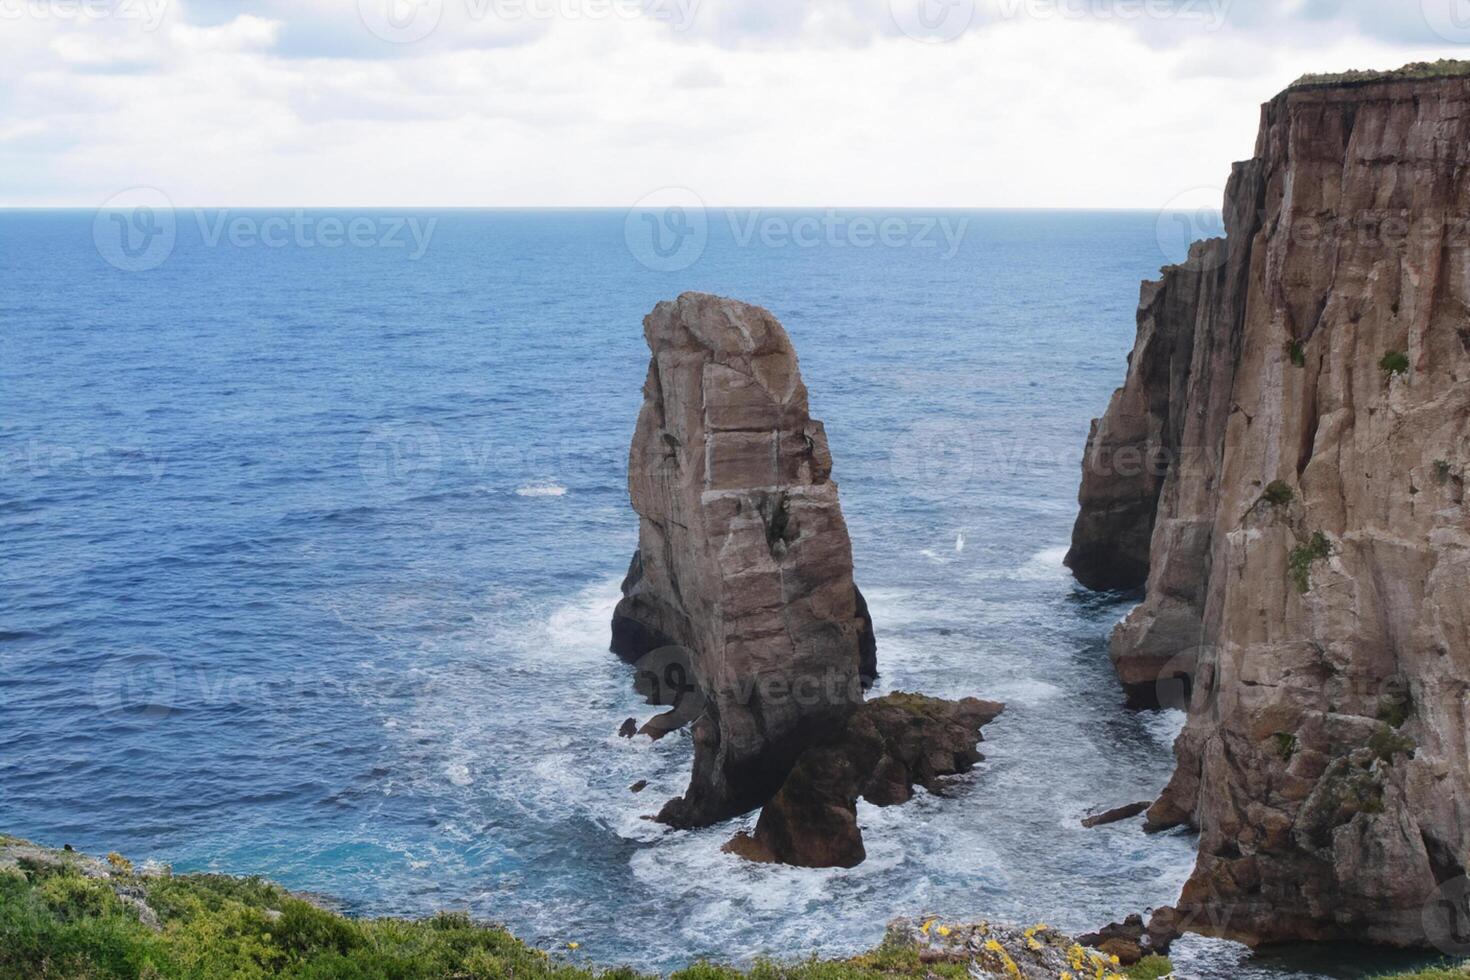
(1117, 815)
(639, 786)
(867, 642)
(629, 729)
(1127, 940)
(887, 747)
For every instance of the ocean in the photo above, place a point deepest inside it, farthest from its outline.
(312, 523)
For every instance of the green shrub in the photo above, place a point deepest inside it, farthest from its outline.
(1286, 744)
(1296, 353)
(1303, 557)
(1394, 362)
(1387, 743)
(1279, 494)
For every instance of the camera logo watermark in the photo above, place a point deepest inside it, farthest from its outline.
(135, 230)
(400, 21)
(148, 13)
(935, 460)
(1188, 217)
(932, 21)
(401, 458)
(667, 230)
(1447, 918)
(665, 677)
(138, 687)
(1449, 19)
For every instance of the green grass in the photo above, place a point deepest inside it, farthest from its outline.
(1419, 70)
(57, 923)
(1150, 968)
(1447, 972)
(1296, 353)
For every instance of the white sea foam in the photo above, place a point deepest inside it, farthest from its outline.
(1044, 566)
(542, 490)
(580, 626)
(1164, 726)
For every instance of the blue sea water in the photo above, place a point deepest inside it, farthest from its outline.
(309, 543)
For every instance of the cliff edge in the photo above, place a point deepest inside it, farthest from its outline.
(1297, 409)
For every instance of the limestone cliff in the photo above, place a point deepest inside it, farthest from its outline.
(744, 559)
(1306, 383)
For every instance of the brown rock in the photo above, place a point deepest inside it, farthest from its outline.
(1309, 569)
(1117, 815)
(744, 559)
(629, 728)
(889, 746)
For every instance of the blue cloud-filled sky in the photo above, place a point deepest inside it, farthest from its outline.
(1017, 103)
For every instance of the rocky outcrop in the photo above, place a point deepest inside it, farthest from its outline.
(1308, 381)
(889, 746)
(744, 560)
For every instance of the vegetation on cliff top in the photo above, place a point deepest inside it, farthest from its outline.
(65, 915)
(1444, 68)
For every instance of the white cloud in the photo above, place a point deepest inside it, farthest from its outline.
(759, 102)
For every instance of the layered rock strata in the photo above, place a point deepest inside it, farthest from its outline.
(1307, 382)
(744, 561)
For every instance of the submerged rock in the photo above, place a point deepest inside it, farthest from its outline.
(889, 746)
(1308, 589)
(744, 561)
(1117, 815)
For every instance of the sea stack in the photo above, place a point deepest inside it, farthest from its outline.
(1304, 388)
(744, 560)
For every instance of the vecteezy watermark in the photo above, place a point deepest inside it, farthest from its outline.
(39, 460)
(1211, 14)
(1446, 917)
(139, 687)
(834, 229)
(135, 230)
(302, 229)
(1450, 19)
(407, 21)
(932, 21)
(667, 230)
(148, 13)
(401, 458)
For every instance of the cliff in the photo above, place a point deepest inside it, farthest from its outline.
(744, 562)
(1302, 391)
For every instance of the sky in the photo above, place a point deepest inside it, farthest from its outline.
(577, 103)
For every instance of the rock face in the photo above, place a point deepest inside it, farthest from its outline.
(1307, 380)
(744, 559)
(889, 746)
